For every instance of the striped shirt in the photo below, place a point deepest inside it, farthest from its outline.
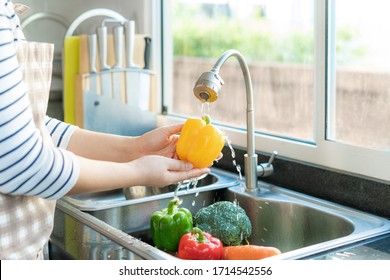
(27, 165)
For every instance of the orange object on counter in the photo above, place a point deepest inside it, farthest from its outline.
(249, 252)
(199, 143)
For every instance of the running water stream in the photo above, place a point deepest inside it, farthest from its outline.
(205, 114)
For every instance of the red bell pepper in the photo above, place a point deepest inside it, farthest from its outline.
(199, 245)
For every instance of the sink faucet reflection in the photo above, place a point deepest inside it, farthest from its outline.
(207, 89)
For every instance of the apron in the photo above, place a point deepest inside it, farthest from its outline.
(31, 218)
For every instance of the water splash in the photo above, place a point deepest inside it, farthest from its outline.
(178, 186)
(233, 154)
(187, 184)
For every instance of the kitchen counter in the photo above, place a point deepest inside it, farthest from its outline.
(373, 249)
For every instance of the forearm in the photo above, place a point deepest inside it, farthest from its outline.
(103, 147)
(154, 171)
(103, 175)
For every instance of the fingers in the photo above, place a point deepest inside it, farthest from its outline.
(182, 170)
(193, 173)
(177, 165)
(189, 174)
(173, 129)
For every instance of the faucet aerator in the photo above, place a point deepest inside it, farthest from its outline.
(204, 96)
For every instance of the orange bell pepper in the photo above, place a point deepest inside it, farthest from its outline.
(200, 143)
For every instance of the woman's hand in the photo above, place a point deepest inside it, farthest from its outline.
(160, 141)
(156, 171)
(160, 171)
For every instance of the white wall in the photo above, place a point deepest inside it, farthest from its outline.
(49, 30)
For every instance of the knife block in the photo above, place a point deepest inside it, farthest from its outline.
(142, 93)
(122, 114)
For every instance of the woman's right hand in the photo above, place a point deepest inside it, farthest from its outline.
(156, 171)
(160, 171)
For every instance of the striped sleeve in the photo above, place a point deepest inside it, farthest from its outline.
(59, 131)
(28, 166)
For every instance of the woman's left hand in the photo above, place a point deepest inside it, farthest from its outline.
(160, 141)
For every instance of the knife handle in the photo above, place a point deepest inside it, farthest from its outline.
(148, 42)
(92, 42)
(102, 45)
(118, 42)
(130, 37)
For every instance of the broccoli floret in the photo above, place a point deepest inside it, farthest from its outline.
(226, 221)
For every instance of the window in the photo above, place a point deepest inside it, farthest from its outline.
(360, 93)
(321, 82)
(278, 47)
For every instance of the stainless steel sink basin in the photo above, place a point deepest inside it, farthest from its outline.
(297, 224)
(97, 225)
(301, 225)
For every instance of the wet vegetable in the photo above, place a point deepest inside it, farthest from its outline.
(169, 225)
(199, 245)
(199, 143)
(226, 221)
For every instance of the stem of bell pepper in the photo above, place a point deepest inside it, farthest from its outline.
(201, 238)
(206, 118)
(172, 206)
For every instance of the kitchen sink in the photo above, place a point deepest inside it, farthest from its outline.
(301, 225)
(112, 225)
(85, 225)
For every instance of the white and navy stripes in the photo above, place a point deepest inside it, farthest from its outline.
(28, 165)
(7, 12)
(60, 132)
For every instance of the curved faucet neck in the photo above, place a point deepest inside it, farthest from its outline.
(249, 94)
(251, 156)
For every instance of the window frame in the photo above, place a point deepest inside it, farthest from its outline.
(335, 155)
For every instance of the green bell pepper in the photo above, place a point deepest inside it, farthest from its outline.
(169, 225)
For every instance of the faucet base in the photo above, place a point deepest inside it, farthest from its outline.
(251, 171)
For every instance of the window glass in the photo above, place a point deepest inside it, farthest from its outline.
(275, 37)
(360, 96)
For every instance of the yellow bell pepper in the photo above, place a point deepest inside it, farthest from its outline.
(199, 143)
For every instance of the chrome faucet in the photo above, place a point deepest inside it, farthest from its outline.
(207, 89)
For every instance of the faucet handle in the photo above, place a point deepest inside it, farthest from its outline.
(266, 169)
(271, 159)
